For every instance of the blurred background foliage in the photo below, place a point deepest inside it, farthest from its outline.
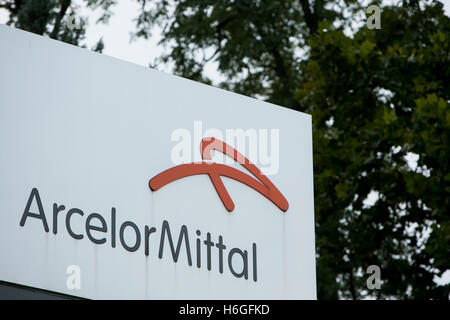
(379, 100)
(56, 18)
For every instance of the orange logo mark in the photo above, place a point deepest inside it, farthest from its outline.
(216, 170)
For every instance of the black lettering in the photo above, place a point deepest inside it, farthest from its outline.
(255, 273)
(244, 271)
(56, 209)
(113, 227)
(221, 247)
(208, 244)
(148, 232)
(199, 255)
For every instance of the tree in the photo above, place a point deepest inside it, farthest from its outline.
(58, 19)
(377, 97)
(257, 44)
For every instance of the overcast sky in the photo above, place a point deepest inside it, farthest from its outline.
(116, 36)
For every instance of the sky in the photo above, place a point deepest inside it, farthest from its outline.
(117, 39)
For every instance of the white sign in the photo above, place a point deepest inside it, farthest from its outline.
(118, 181)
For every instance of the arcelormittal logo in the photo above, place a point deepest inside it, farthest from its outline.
(262, 184)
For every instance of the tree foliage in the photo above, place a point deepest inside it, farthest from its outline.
(378, 99)
(257, 45)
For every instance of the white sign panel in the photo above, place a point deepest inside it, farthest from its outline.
(118, 181)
